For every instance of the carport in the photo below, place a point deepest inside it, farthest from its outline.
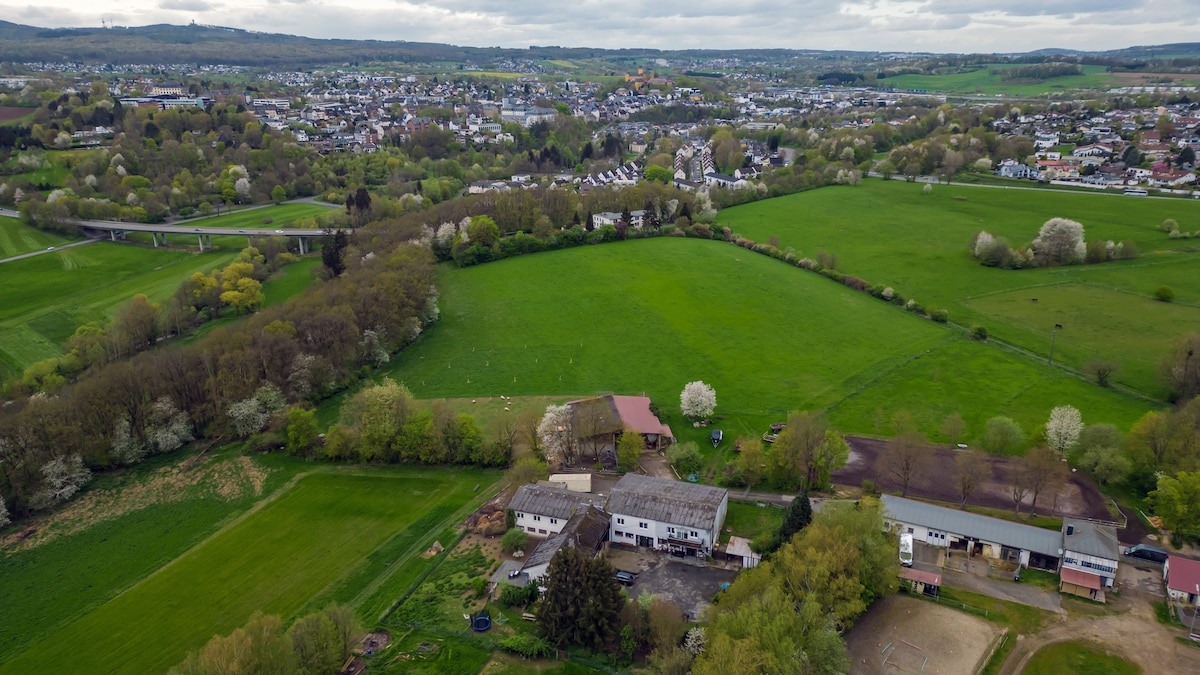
(920, 581)
(1082, 584)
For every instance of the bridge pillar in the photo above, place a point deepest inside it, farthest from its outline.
(201, 237)
(112, 234)
(154, 238)
(302, 251)
(208, 240)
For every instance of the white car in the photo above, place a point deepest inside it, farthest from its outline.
(906, 549)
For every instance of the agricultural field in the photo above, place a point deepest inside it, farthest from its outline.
(892, 233)
(327, 536)
(983, 81)
(651, 315)
(17, 238)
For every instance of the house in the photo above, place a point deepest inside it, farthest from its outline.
(541, 510)
(1090, 556)
(723, 180)
(668, 515)
(1013, 169)
(739, 547)
(586, 530)
(749, 172)
(598, 422)
(1025, 545)
(1182, 576)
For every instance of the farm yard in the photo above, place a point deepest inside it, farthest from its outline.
(902, 634)
(892, 233)
(349, 536)
(651, 315)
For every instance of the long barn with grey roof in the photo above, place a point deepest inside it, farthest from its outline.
(667, 515)
(543, 511)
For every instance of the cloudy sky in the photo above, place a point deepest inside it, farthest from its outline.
(900, 25)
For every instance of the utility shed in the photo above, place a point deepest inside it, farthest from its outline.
(575, 482)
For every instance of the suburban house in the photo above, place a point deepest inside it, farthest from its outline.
(1012, 169)
(542, 511)
(668, 515)
(586, 530)
(1025, 545)
(598, 422)
(1090, 555)
(1182, 576)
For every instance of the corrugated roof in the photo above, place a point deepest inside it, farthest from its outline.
(667, 501)
(545, 501)
(1079, 578)
(1091, 539)
(635, 414)
(586, 530)
(921, 576)
(975, 526)
(1183, 574)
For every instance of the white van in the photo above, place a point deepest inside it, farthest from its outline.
(906, 549)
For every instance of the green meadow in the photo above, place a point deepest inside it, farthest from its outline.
(317, 540)
(17, 238)
(984, 81)
(651, 315)
(276, 216)
(892, 233)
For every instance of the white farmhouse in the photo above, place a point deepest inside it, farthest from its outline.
(543, 511)
(667, 515)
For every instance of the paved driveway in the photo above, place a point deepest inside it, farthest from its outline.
(1023, 593)
(689, 586)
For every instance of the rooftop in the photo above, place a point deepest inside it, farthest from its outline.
(1183, 574)
(667, 501)
(545, 501)
(975, 526)
(1088, 538)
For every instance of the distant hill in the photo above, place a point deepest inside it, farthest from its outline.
(210, 45)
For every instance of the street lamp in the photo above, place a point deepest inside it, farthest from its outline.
(1053, 333)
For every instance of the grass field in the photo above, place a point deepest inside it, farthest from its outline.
(1077, 657)
(652, 315)
(983, 81)
(891, 233)
(17, 238)
(292, 555)
(281, 215)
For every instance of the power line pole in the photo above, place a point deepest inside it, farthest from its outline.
(1053, 334)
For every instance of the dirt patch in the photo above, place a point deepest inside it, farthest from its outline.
(10, 113)
(226, 480)
(492, 517)
(433, 550)
(1078, 497)
(374, 642)
(903, 634)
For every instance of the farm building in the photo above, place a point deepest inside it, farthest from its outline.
(993, 538)
(598, 423)
(922, 582)
(542, 511)
(575, 482)
(1182, 576)
(586, 530)
(1090, 555)
(668, 515)
(739, 547)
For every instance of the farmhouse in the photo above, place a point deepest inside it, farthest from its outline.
(993, 538)
(542, 510)
(1090, 555)
(598, 423)
(668, 515)
(587, 530)
(1182, 576)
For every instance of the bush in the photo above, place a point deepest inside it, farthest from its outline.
(480, 586)
(514, 540)
(529, 646)
(869, 487)
(512, 596)
(685, 457)
(268, 220)
(979, 333)
(939, 315)
(1164, 294)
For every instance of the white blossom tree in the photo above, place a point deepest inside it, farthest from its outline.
(252, 414)
(4, 519)
(168, 428)
(555, 431)
(697, 400)
(62, 476)
(127, 448)
(1060, 241)
(1063, 428)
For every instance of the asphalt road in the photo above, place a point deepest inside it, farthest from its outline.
(54, 249)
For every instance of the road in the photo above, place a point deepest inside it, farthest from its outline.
(54, 249)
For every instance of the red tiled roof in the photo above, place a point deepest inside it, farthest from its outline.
(634, 412)
(1072, 576)
(921, 576)
(1183, 574)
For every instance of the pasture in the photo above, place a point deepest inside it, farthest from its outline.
(892, 233)
(275, 216)
(651, 315)
(984, 81)
(17, 238)
(294, 552)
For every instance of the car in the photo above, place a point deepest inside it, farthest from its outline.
(278, 231)
(49, 248)
(198, 230)
(1145, 552)
(241, 231)
(624, 577)
(515, 573)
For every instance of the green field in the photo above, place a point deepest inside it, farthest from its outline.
(652, 315)
(891, 233)
(296, 553)
(17, 238)
(983, 81)
(1077, 657)
(280, 215)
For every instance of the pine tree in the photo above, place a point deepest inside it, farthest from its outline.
(796, 518)
(582, 601)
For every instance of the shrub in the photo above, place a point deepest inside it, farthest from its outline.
(514, 540)
(512, 596)
(685, 457)
(869, 487)
(979, 333)
(939, 315)
(1164, 294)
(1168, 225)
(268, 220)
(529, 646)
(479, 584)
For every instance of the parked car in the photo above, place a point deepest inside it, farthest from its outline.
(624, 577)
(906, 549)
(1151, 553)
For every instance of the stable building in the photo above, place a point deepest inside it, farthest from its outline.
(667, 515)
(1024, 545)
(1090, 557)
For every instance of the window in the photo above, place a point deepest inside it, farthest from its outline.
(629, 535)
(537, 518)
(620, 521)
(910, 530)
(643, 525)
(671, 531)
(694, 534)
(540, 531)
(554, 521)
(520, 515)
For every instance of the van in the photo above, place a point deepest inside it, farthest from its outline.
(1144, 552)
(906, 549)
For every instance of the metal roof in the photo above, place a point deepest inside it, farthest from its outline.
(667, 501)
(1091, 539)
(975, 526)
(586, 530)
(1080, 578)
(1183, 574)
(546, 501)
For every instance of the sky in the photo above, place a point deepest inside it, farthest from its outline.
(874, 25)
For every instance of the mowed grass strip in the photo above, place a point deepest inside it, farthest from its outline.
(275, 560)
(17, 238)
(892, 233)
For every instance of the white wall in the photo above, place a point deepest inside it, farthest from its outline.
(538, 525)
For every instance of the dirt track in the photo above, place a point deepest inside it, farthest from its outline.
(1077, 497)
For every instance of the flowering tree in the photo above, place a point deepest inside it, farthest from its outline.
(1060, 241)
(62, 476)
(697, 400)
(555, 434)
(1063, 428)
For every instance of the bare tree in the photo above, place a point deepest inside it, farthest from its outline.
(973, 470)
(527, 430)
(908, 456)
(1018, 486)
(953, 426)
(795, 451)
(593, 424)
(1045, 470)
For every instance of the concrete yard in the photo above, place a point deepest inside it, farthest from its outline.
(689, 586)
